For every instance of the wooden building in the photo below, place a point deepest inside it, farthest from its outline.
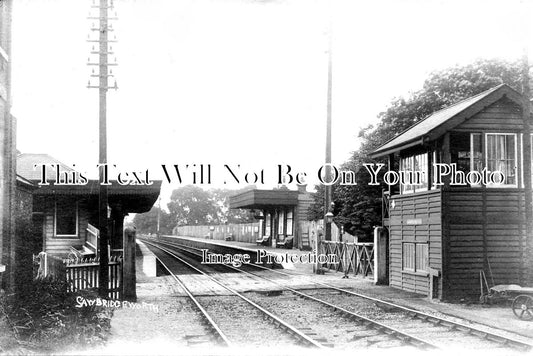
(65, 217)
(442, 236)
(280, 212)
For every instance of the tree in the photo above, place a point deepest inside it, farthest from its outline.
(227, 215)
(441, 89)
(358, 207)
(146, 223)
(191, 205)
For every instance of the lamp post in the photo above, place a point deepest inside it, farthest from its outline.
(329, 217)
(329, 188)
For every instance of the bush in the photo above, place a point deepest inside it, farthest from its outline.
(44, 315)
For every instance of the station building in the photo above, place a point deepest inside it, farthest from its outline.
(64, 218)
(442, 237)
(281, 213)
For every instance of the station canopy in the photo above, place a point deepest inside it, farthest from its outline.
(132, 198)
(264, 199)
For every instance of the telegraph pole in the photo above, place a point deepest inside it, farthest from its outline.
(103, 52)
(328, 192)
(527, 166)
(526, 277)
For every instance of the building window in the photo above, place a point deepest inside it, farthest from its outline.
(66, 217)
(415, 257)
(281, 222)
(414, 172)
(421, 258)
(408, 256)
(501, 156)
(466, 151)
(476, 152)
(289, 222)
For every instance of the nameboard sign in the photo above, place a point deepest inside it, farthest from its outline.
(413, 222)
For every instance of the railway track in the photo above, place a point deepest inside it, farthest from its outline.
(372, 332)
(443, 330)
(215, 328)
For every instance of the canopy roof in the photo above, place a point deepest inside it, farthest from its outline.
(259, 199)
(443, 120)
(132, 198)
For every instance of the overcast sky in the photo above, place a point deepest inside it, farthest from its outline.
(237, 81)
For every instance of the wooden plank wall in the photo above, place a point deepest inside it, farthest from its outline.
(485, 231)
(61, 245)
(424, 209)
(503, 115)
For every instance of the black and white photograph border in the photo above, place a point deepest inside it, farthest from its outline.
(220, 177)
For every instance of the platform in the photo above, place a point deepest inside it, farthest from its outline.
(250, 248)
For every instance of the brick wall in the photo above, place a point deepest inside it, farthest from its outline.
(25, 245)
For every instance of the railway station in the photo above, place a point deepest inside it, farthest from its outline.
(442, 236)
(433, 255)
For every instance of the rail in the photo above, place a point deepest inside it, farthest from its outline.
(430, 319)
(291, 329)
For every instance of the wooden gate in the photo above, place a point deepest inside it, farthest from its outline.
(84, 275)
(357, 258)
(81, 274)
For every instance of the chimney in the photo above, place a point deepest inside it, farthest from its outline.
(302, 188)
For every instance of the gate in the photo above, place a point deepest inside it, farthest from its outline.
(357, 258)
(84, 275)
(81, 274)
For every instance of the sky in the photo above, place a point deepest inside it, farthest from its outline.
(241, 83)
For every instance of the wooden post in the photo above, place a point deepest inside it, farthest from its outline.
(446, 157)
(129, 281)
(526, 116)
(392, 188)
(381, 256)
(345, 259)
(434, 275)
(103, 274)
(116, 233)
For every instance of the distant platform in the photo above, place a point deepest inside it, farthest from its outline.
(234, 247)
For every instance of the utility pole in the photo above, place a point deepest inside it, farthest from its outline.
(526, 94)
(329, 188)
(527, 256)
(103, 52)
